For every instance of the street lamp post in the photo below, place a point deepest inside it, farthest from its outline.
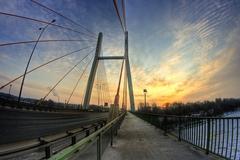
(29, 60)
(145, 97)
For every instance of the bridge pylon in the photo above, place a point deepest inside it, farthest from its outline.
(92, 75)
(93, 71)
(129, 76)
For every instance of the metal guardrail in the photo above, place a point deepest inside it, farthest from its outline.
(217, 135)
(56, 107)
(46, 145)
(113, 126)
(22, 125)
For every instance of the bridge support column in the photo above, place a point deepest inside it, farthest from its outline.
(93, 72)
(127, 66)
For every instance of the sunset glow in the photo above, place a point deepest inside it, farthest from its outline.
(179, 50)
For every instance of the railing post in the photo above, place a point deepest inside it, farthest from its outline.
(179, 128)
(112, 136)
(74, 140)
(48, 148)
(87, 132)
(99, 147)
(48, 151)
(165, 125)
(208, 135)
(116, 131)
(119, 124)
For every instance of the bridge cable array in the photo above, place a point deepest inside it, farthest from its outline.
(103, 90)
(116, 101)
(64, 76)
(122, 22)
(80, 77)
(101, 85)
(90, 34)
(42, 65)
(45, 22)
(65, 17)
(124, 14)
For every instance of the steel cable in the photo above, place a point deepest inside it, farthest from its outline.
(53, 60)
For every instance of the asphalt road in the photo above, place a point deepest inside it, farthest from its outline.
(20, 125)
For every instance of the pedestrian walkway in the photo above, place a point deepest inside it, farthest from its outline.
(138, 140)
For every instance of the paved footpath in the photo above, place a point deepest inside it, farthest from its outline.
(139, 140)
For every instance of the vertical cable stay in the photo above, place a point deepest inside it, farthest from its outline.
(119, 17)
(101, 85)
(103, 94)
(65, 17)
(104, 80)
(80, 77)
(124, 99)
(84, 91)
(45, 22)
(104, 88)
(97, 84)
(116, 101)
(40, 66)
(100, 81)
(124, 14)
(62, 78)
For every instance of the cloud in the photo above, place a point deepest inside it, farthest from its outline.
(182, 51)
(191, 61)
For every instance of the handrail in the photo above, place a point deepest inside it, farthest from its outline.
(82, 143)
(216, 135)
(176, 116)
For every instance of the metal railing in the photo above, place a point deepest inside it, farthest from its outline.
(58, 147)
(112, 126)
(55, 107)
(217, 135)
(45, 147)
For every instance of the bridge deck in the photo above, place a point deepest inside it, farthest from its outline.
(139, 140)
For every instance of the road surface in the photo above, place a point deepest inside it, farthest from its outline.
(20, 125)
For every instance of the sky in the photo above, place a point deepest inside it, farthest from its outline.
(180, 51)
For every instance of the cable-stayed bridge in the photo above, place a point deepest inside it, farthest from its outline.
(44, 129)
(36, 118)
